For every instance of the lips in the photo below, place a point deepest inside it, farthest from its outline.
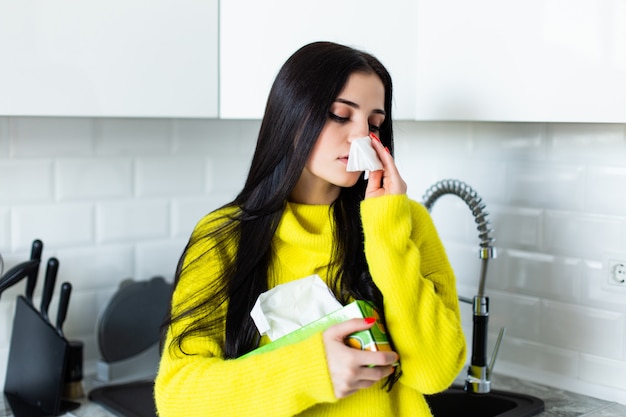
(343, 159)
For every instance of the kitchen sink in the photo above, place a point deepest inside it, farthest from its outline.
(455, 402)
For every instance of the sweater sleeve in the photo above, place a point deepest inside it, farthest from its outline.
(409, 265)
(200, 382)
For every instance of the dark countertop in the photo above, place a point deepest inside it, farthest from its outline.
(558, 403)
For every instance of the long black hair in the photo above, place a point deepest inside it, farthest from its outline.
(297, 108)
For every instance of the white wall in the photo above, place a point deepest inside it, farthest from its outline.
(117, 198)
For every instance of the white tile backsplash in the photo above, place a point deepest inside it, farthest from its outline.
(547, 185)
(117, 198)
(94, 268)
(546, 276)
(538, 356)
(520, 315)
(521, 141)
(132, 220)
(603, 371)
(582, 329)
(466, 267)
(26, 181)
(170, 175)
(134, 136)
(225, 174)
(158, 258)
(6, 310)
(82, 313)
(224, 137)
(4, 137)
(597, 291)
(589, 143)
(57, 225)
(5, 228)
(604, 189)
(518, 227)
(94, 178)
(186, 212)
(51, 137)
(583, 235)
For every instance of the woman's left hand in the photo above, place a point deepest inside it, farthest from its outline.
(388, 180)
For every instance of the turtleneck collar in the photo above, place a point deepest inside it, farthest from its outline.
(304, 238)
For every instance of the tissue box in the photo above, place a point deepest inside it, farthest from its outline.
(373, 339)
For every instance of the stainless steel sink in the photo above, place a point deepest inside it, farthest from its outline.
(455, 402)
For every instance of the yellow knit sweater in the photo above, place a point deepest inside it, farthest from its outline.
(408, 264)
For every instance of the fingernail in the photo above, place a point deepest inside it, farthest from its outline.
(387, 149)
(370, 320)
(373, 136)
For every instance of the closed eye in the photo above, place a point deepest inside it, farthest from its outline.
(338, 119)
(374, 128)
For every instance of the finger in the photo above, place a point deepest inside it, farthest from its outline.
(374, 182)
(377, 359)
(342, 330)
(375, 373)
(361, 377)
(392, 181)
(383, 153)
(365, 377)
(362, 383)
(389, 164)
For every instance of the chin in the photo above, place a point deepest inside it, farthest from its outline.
(349, 182)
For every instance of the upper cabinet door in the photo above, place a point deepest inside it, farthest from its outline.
(521, 60)
(137, 58)
(257, 37)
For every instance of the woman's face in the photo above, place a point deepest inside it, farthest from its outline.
(357, 111)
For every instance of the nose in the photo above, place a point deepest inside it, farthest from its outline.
(360, 130)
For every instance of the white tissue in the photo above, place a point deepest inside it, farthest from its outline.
(287, 307)
(362, 157)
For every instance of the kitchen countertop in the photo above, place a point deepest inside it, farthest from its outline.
(558, 403)
(87, 408)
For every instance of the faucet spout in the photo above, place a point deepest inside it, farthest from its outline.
(478, 378)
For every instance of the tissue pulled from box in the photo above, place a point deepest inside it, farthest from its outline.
(288, 307)
(362, 156)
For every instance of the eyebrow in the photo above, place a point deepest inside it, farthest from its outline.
(356, 106)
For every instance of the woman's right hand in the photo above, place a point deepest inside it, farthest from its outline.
(388, 180)
(351, 369)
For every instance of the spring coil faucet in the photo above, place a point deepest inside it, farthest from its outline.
(478, 378)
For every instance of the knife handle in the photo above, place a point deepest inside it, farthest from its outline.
(35, 255)
(48, 288)
(64, 301)
(16, 274)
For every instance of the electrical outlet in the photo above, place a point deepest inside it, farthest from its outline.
(617, 272)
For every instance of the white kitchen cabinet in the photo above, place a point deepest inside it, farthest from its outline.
(256, 37)
(487, 60)
(484, 60)
(136, 58)
(521, 60)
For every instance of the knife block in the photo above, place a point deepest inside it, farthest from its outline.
(37, 364)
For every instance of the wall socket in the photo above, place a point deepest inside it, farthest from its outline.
(617, 272)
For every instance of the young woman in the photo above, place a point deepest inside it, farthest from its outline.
(301, 213)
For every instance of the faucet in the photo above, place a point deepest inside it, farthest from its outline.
(478, 379)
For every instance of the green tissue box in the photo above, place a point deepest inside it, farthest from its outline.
(373, 339)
